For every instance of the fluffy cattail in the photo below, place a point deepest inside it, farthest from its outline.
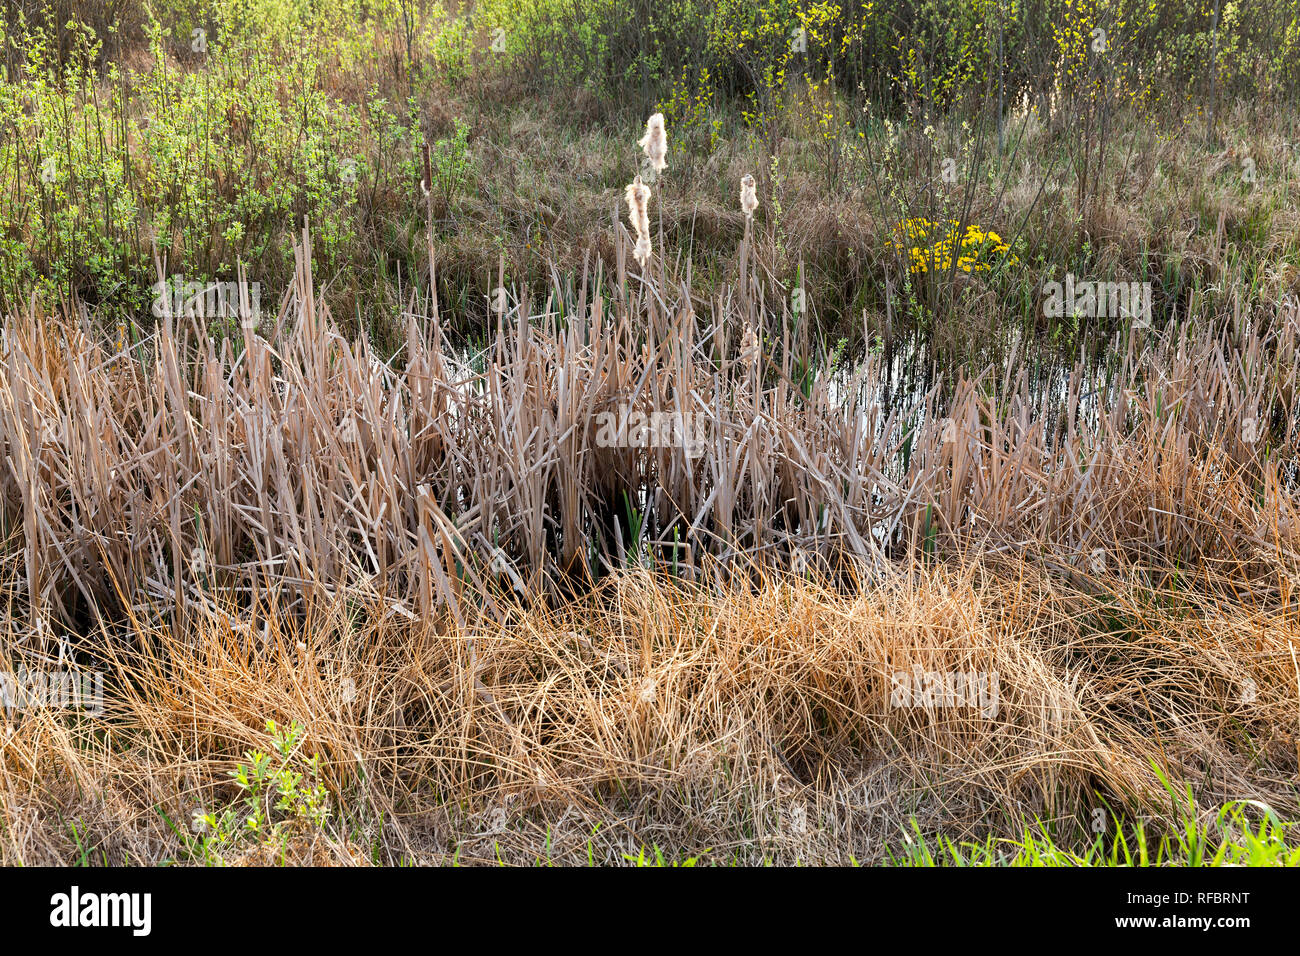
(638, 214)
(748, 197)
(641, 251)
(748, 345)
(655, 142)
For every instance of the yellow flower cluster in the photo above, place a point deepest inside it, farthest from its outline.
(932, 245)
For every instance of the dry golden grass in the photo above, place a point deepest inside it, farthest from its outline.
(756, 723)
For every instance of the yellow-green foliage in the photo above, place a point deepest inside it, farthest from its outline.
(690, 108)
(938, 50)
(206, 164)
(557, 38)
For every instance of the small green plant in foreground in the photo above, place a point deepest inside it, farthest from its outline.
(277, 802)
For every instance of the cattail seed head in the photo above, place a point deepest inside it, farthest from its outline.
(641, 251)
(638, 214)
(749, 345)
(655, 142)
(748, 197)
